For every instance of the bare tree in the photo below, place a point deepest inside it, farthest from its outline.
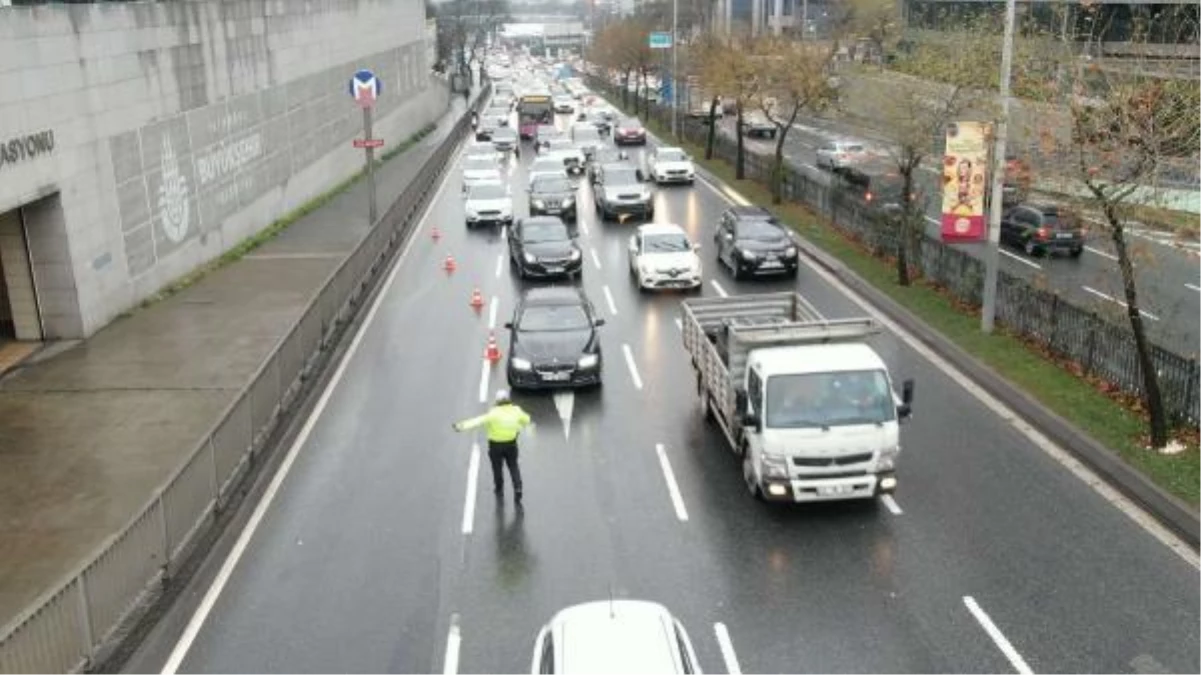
(729, 68)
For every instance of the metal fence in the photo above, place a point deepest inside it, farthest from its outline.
(1100, 347)
(74, 626)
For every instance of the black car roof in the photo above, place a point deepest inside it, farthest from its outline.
(542, 220)
(554, 295)
(746, 212)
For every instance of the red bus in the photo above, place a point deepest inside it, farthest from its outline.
(532, 110)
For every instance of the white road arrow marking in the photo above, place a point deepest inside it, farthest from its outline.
(565, 403)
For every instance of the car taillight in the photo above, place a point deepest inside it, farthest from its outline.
(1042, 233)
(867, 196)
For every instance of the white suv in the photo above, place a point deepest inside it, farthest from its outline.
(662, 256)
(837, 155)
(671, 165)
(614, 636)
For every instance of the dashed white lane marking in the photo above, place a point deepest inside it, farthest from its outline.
(492, 309)
(680, 324)
(1193, 287)
(673, 489)
(500, 265)
(609, 299)
(565, 404)
(1015, 659)
(1014, 256)
(1104, 296)
(727, 649)
(717, 287)
(473, 477)
(1101, 253)
(192, 630)
(450, 661)
(595, 258)
(891, 504)
(633, 368)
(1110, 494)
(504, 232)
(485, 373)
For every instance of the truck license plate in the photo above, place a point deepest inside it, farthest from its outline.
(835, 489)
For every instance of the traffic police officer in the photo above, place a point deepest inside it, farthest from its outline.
(503, 422)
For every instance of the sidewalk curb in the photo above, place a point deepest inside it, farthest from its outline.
(1173, 513)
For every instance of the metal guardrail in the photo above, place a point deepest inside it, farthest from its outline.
(79, 622)
(1097, 345)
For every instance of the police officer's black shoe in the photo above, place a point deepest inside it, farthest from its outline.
(517, 496)
(498, 490)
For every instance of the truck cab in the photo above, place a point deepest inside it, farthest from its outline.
(819, 422)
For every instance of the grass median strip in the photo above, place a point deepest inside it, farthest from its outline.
(1115, 423)
(285, 221)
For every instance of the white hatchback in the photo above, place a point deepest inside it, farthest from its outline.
(671, 165)
(662, 256)
(616, 636)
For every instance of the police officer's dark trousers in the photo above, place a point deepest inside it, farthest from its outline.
(504, 453)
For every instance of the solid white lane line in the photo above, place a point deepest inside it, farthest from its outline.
(633, 368)
(1119, 501)
(595, 258)
(492, 309)
(727, 649)
(1101, 253)
(1193, 287)
(500, 264)
(450, 661)
(672, 488)
(485, 373)
(609, 299)
(1015, 659)
(192, 630)
(1014, 256)
(891, 504)
(584, 227)
(1099, 294)
(473, 477)
(717, 287)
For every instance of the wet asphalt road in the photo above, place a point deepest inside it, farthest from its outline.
(361, 561)
(1168, 276)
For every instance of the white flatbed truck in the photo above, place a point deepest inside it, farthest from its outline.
(805, 402)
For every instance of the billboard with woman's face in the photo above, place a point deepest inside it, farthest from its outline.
(964, 181)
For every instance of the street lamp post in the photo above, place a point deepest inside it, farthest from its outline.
(988, 312)
(675, 71)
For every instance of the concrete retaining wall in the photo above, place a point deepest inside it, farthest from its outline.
(156, 135)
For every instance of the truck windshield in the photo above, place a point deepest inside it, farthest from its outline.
(828, 399)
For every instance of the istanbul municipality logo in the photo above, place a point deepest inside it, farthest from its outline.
(173, 196)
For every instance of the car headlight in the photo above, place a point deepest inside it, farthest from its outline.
(537, 203)
(529, 257)
(568, 201)
(519, 363)
(747, 255)
(588, 361)
(575, 254)
(774, 467)
(790, 252)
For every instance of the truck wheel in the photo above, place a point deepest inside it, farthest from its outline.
(748, 475)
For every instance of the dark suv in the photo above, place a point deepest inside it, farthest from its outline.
(553, 196)
(1039, 229)
(750, 241)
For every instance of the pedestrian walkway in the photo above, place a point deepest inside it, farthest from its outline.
(89, 433)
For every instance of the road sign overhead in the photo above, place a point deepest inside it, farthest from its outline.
(659, 40)
(365, 88)
(368, 142)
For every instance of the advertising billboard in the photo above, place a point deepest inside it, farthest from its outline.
(965, 181)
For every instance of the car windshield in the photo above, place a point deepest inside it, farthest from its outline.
(1059, 221)
(543, 318)
(828, 400)
(758, 230)
(478, 164)
(488, 191)
(560, 144)
(544, 184)
(622, 175)
(540, 233)
(666, 243)
(852, 148)
(504, 132)
(585, 134)
(672, 155)
(632, 125)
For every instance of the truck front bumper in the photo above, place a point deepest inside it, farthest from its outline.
(866, 486)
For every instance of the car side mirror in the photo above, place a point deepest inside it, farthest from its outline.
(639, 175)
(509, 325)
(598, 322)
(907, 391)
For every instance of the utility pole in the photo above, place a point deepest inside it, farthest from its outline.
(992, 254)
(675, 71)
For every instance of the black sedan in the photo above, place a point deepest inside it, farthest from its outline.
(553, 341)
(542, 247)
(751, 242)
(553, 196)
(620, 190)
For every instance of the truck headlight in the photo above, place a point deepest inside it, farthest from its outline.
(774, 467)
(519, 363)
(588, 361)
(888, 458)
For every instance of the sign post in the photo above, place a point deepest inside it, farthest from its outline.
(365, 88)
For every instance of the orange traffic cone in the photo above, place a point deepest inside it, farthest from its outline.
(492, 351)
(477, 300)
(436, 234)
(449, 265)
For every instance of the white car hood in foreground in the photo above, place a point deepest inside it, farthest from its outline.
(664, 167)
(481, 174)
